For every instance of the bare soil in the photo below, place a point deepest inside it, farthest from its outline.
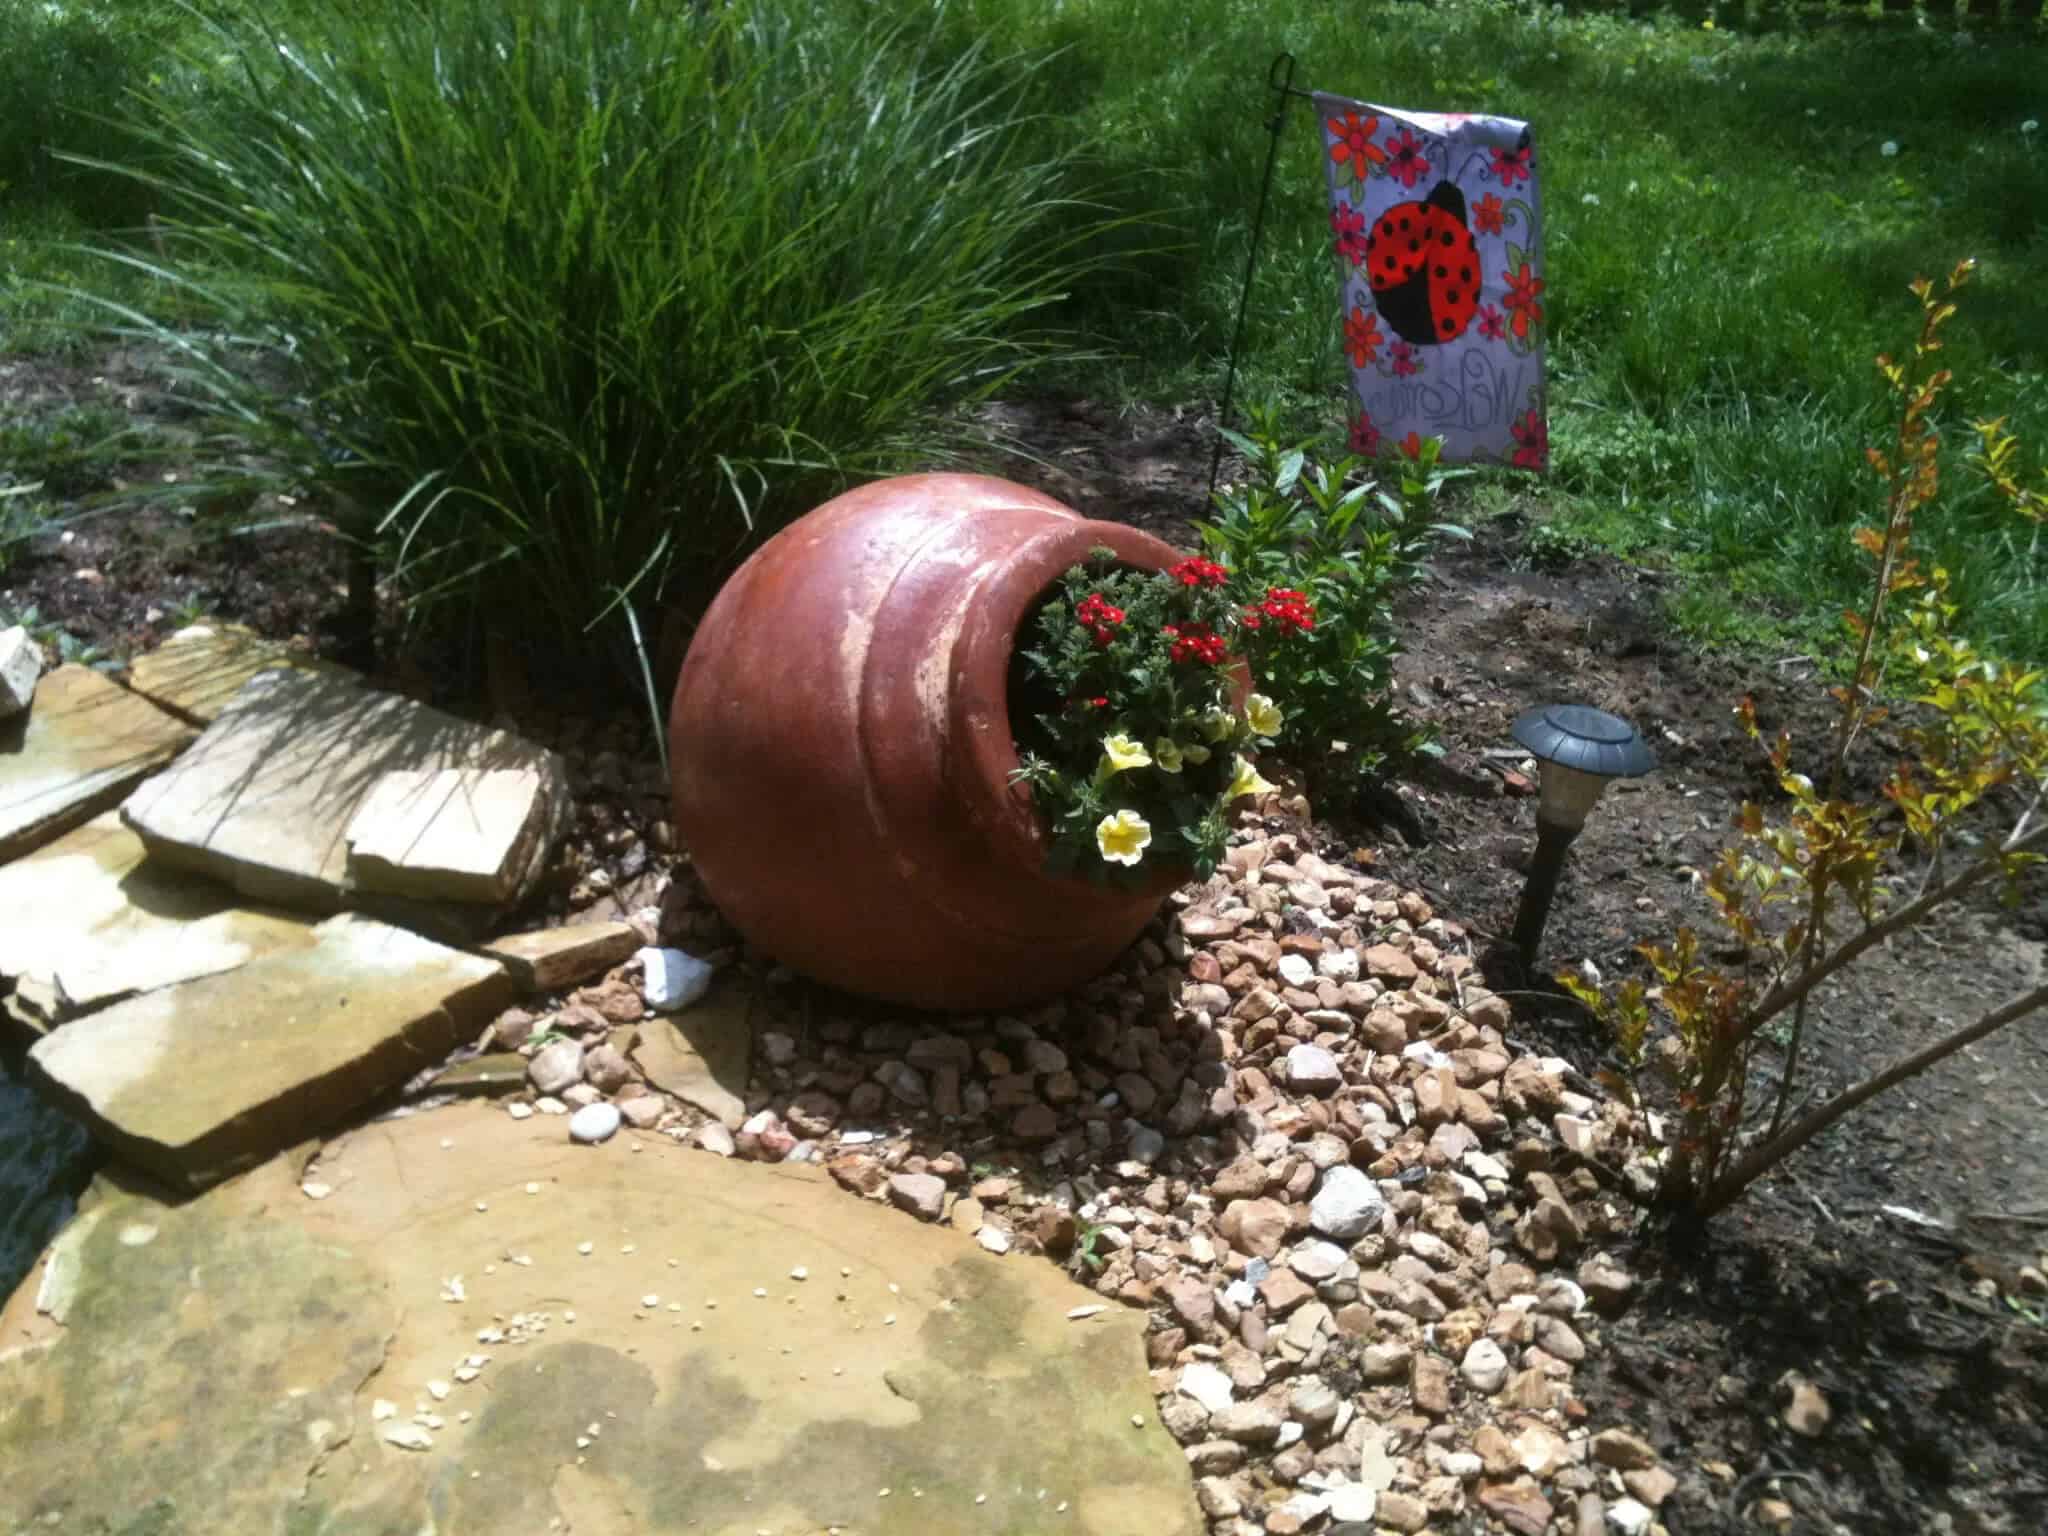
(1937, 1374)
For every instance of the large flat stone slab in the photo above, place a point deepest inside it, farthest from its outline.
(89, 920)
(195, 1082)
(450, 834)
(264, 798)
(702, 1055)
(249, 1335)
(198, 671)
(82, 746)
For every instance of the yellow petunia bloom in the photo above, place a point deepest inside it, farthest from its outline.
(1247, 781)
(1194, 752)
(1124, 837)
(1166, 755)
(1263, 714)
(1219, 725)
(1119, 752)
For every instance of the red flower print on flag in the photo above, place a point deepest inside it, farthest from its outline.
(1532, 441)
(1362, 337)
(1486, 215)
(1351, 144)
(1513, 166)
(1407, 164)
(1348, 225)
(1523, 287)
(1402, 356)
(1490, 327)
(1365, 437)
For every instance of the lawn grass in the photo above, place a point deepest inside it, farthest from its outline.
(1728, 246)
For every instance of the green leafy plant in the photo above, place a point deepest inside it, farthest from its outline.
(1353, 547)
(1976, 738)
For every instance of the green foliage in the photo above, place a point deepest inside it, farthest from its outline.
(576, 298)
(1353, 547)
(1805, 895)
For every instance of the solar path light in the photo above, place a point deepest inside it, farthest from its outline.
(1578, 749)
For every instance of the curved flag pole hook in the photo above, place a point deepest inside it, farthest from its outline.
(1279, 80)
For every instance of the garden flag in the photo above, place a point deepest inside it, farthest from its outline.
(1438, 231)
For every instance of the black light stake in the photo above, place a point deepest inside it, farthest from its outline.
(1580, 749)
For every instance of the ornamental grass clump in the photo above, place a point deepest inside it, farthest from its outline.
(577, 299)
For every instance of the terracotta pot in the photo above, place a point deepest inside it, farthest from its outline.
(841, 746)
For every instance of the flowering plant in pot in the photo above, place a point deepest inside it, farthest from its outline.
(1135, 728)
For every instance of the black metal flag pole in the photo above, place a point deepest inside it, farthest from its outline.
(1280, 80)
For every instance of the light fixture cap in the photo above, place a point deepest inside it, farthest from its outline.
(1589, 740)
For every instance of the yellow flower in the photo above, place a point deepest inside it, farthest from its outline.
(1218, 725)
(1247, 781)
(1123, 838)
(1120, 752)
(1263, 714)
(1194, 752)
(1167, 755)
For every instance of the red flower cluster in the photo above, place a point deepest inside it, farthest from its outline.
(1197, 572)
(1096, 613)
(1196, 642)
(1290, 611)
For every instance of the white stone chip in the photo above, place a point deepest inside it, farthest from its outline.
(409, 1437)
(313, 1189)
(671, 979)
(594, 1123)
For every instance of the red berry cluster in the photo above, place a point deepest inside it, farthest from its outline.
(1290, 611)
(1197, 572)
(1098, 615)
(1196, 642)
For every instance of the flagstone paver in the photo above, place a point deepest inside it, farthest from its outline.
(82, 745)
(194, 1082)
(264, 798)
(88, 921)
(198, 671)
(486, 1329)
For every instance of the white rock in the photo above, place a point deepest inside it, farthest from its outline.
(408, 1437)
(671, 979)
(594, 1123)
(1629, 1517)
(21, 663)
(1317, 1261)
(1339, 965)
(1291, 1432)
(1347, 1204)
(556, 1066)
(1312, 1069)
(1206, 1384)
(715, 1138)
(1352, 1501)
(993, 1238)
(1296, 971)
(1485, 1366)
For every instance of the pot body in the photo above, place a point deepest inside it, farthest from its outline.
(841, 747)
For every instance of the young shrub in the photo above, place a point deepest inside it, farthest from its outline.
(1977, 743)
(572, 300)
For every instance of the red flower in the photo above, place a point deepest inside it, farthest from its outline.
(1351, 143)
(1523, 287)
(1532, 438)
(1365, 437)
(1290, 611)
(1197, 572)
(1099, 616)
(1411, 447)
(1513, 166)
(1490, 328)
(1486, 215)
(1099, 703)
(1348, 224)
(1407, 164)
(1362, 337)
(1198, 642)
(1403, 358)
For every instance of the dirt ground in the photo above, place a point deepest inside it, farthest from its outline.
(1939, 1385)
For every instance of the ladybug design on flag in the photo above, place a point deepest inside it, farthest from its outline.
(1423, 266)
